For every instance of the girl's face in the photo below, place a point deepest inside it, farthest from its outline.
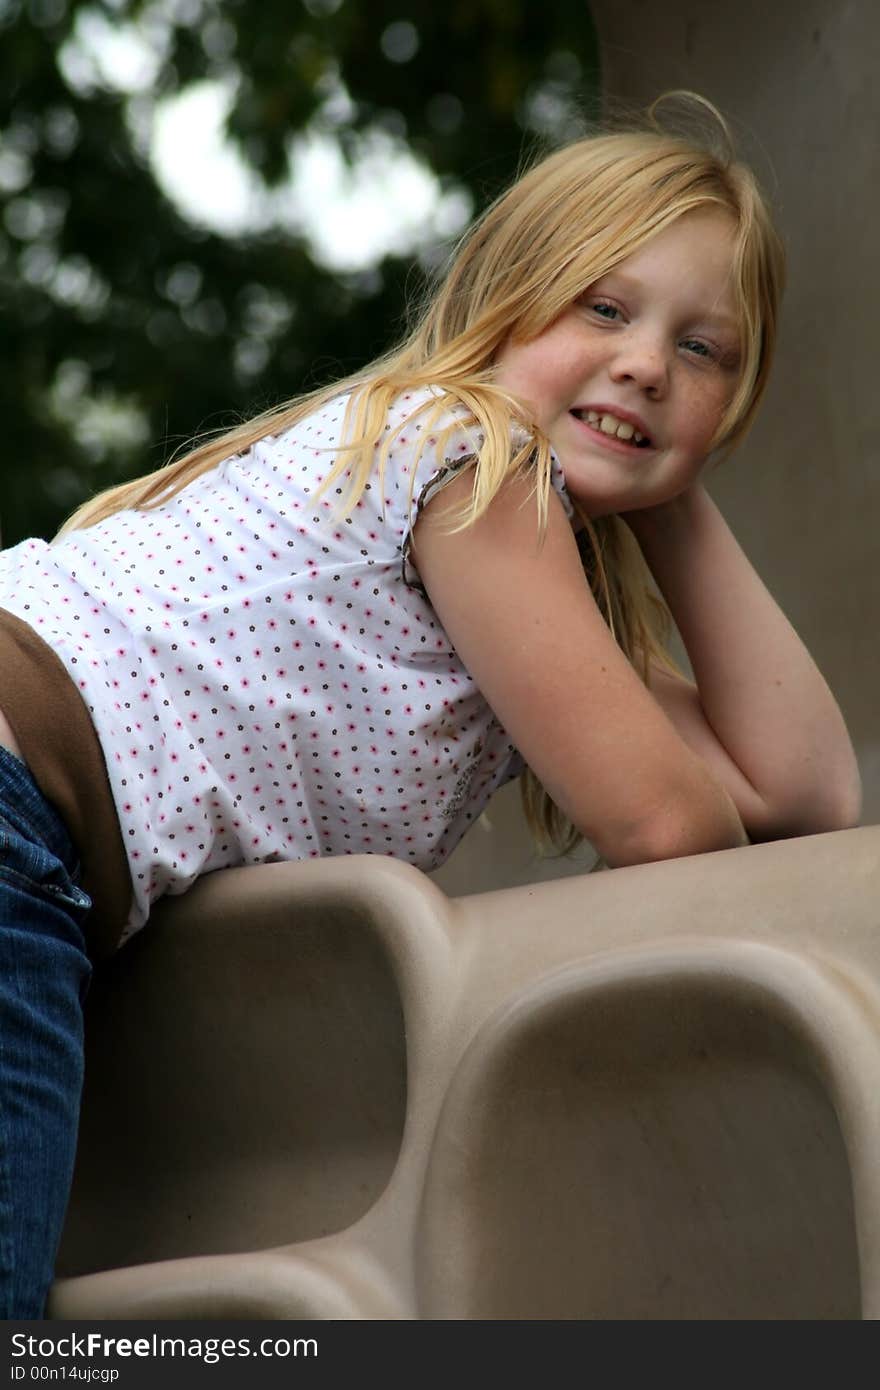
(631, 383)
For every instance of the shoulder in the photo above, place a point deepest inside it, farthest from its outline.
(432, 435)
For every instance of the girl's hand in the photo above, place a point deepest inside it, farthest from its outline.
(667, 517)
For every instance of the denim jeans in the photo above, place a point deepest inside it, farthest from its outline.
(44, 974)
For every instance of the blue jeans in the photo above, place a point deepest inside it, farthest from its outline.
(44, 974)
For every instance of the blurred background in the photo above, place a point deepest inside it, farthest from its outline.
(209, 205)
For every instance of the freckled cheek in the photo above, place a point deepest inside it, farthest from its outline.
(700, 422)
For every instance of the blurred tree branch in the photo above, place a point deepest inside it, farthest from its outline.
(127, 328)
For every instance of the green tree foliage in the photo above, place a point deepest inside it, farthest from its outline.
(127, 326)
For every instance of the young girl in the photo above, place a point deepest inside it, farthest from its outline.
(340, 628)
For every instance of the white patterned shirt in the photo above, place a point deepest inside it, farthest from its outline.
(268, 680)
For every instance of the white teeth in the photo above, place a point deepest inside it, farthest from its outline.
(609, 424)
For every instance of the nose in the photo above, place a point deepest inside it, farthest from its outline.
(642, 359)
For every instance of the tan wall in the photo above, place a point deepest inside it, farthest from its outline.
(799, 80)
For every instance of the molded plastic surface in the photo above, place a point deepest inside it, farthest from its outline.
(326, 1090)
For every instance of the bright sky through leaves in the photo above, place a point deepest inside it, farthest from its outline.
(351, 215)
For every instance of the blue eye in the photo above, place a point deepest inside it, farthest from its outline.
(697, 346)
(605, 311)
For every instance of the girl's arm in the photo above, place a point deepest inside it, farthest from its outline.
(760, 714)
(518, 610)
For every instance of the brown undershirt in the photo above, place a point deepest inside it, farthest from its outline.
(58, 742)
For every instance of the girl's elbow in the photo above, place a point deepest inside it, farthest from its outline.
(839, 798)
(841, 806)
(676, 830)
(835, 805)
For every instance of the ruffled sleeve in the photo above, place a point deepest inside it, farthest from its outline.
(436, 461)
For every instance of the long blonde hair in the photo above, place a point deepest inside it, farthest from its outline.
(563, 224)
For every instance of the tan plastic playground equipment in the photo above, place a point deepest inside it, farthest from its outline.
(326, 1090)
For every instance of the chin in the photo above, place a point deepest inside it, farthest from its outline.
(617, 495)
(597, 507)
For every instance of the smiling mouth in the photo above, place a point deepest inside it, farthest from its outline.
(615, 428)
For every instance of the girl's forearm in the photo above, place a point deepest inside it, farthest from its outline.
(760, 690)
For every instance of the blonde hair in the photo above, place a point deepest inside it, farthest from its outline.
(562, 225)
